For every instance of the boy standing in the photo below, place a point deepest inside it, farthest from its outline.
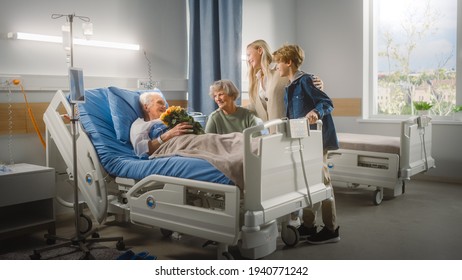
(303, 99)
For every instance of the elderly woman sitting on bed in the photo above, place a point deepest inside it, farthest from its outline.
(150, 136)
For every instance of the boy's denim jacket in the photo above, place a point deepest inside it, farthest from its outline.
(301, 96)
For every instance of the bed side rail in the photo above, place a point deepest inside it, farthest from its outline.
(91, 182)
(416, 146)
(354, 168)
(161, 201)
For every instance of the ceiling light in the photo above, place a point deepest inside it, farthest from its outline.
(82, 42)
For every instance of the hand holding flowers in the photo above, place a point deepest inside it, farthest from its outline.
(176, 115)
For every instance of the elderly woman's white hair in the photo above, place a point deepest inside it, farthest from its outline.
(146, 97)
(227, 87)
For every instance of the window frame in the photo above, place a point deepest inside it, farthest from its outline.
(369, 105)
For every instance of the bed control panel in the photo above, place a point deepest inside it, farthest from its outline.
(298, 128)
(423, 121)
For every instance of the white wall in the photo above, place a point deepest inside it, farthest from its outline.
(331, 33)
(159, 26)
(270, 20)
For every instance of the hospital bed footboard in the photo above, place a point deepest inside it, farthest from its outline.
(386, 171)
(284, 175)
(202, 209)
(354, 169)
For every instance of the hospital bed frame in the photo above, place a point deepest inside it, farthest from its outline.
(276, 180)
(354, 168)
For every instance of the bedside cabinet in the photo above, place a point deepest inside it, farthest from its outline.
(27, 192)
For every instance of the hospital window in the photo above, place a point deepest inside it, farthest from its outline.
(411, 55)
(244, 80)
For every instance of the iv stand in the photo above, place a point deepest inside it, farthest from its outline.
(79, 239)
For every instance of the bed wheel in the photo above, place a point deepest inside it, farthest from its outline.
(87, 256)
(120, 245)
(35, 256)
(378, 197)
(290, 235)
(166, 232)
(403, 187)
(85, 224)
(50, 241)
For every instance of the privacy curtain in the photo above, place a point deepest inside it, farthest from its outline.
(215, 38)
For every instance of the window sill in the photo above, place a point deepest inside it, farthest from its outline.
(391, 121)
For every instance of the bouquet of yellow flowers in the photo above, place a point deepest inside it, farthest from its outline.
(175, 115)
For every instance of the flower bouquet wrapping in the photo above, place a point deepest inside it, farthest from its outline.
(175, 115)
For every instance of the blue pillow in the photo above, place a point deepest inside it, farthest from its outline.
(100, 115)
(125, 109)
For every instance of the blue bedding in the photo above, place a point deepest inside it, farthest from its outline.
(106, 117)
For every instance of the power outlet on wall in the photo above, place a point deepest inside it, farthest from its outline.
(145, 84)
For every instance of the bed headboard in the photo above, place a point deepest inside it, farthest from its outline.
(91, 175)
(416, 146)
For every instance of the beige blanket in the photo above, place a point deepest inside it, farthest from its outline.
(224, 151)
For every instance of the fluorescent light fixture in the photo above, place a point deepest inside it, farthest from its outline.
(35, 37)
(82, 42)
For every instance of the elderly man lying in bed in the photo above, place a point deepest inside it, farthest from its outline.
(150, 136)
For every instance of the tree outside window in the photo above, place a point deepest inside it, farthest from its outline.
(416, 56)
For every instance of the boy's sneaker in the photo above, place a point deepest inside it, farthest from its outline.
(324, 236)
(305, 232)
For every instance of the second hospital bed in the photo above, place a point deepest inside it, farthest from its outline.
(383, 162)
(188, 195)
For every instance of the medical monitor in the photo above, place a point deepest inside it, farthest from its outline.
(77, 90)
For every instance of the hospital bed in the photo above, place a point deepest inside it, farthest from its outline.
(383, 162)
(189, 195)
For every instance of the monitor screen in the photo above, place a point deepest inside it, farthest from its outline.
(76, 85)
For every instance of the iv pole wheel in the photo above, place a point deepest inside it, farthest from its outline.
(50, 241)
(35, 256)
(120, 245)
(87, 256)
(85, 224)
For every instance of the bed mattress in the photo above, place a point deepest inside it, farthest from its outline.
(370, 143)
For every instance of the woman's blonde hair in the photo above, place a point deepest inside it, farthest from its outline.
(266, 60)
